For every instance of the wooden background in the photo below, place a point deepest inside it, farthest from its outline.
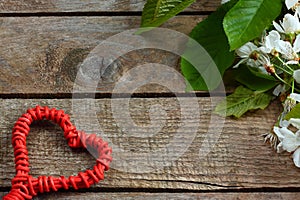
(43, 42)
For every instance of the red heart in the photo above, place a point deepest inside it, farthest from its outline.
(25, 186)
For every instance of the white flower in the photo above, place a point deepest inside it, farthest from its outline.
(270, 42)
(245, 52)
(296, 75)
(253, 57)
(289, 24)
(289, 142)
(273, 44)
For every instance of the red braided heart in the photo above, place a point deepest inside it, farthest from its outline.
(25, 186)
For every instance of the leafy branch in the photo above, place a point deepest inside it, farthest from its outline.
(230, 27)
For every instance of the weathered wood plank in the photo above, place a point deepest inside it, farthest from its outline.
(42, 55)
(36, 6)
(175, 196)
(238, 160)
(219, 196)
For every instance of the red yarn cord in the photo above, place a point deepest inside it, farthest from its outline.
(25, 186)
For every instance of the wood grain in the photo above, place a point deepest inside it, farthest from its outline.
(43, 54)
(37, 6)
(175, 196)
(239, 159)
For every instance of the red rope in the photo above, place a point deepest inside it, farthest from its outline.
(25, 186)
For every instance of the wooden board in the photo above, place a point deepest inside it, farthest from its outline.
(42, 6)
(175, 196)
(238, 160)
(41, 55)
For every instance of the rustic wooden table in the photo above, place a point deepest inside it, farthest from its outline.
(42, 43)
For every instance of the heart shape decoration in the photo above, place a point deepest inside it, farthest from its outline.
(25, 186)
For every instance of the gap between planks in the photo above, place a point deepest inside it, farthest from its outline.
(110, 95)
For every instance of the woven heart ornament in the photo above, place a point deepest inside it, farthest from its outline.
(25, 186)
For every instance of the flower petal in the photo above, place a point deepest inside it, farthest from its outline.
(252, 63)
(279, 89)
(296, 157)
(274, 37)
(285, 48)
(295, 96)
(240, 62)
(279, 148)
(292, 62)
(224, 1)
(263, 70)
(295, 122)
(284, 123)
(278, 133)
(290, 23)
(297, 11)
(245, 50)
(265, 49)
(296, 45)
(278, 27)
(296, 75)
(290, 141)
(270, 42)
(290, 3)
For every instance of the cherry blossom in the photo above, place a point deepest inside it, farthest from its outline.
(289, 141)
(289, 24)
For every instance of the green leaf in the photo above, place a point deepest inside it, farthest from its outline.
(254, 79)
(156, 12)
(294, 113)
(241, 101)
(211, 36)
(248, 18)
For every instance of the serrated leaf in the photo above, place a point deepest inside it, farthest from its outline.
(254, 80)
(210, 35)
(247, 20)
(156, 12)
(294, 113)
(241, 101)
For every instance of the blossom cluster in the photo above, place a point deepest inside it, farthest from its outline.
(283, 43)
(276, 54)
